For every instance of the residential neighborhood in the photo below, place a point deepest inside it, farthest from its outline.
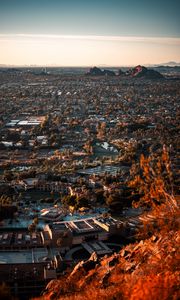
(70, 146)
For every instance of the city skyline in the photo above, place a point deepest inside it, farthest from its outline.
(79, 33)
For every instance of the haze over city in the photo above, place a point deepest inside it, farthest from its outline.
(86, 33)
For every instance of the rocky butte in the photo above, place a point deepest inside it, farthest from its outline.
(138, 72)
(143, 72)
(98, 72)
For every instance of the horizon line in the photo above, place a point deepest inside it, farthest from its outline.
(165, 64)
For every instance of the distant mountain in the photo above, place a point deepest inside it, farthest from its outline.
(138, 72)
(143, 72)
(171, 64)
(165, 64)
(98, 72)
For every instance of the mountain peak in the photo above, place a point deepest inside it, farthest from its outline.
(141, 71)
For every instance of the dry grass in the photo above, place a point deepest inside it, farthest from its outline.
(145, 270)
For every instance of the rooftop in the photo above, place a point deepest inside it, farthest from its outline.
(100, 170)
(23, 256)
(99, 247)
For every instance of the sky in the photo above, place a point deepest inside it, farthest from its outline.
(87, 33)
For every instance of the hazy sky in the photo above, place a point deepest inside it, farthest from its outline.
(82, 32)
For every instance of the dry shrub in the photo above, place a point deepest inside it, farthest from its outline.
(153, 179)
(157, 287)
(145, 270)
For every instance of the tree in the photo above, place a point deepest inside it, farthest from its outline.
(154, 181)
(100, 195)
(36, 221)
(88, 147)
(8, 175)
(32, 227)
(59, 242)
(82, 202)
(101, 130)
(70, 200)
(114, 201)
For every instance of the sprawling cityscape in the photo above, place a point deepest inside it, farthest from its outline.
(68, 145)
(89, 151)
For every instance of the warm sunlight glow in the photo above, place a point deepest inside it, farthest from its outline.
(86, 50)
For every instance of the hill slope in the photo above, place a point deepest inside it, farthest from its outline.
(144, 270)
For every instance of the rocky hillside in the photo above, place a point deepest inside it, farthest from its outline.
(143, 72)
(98, 72)
(138, 72)
(145, 270)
